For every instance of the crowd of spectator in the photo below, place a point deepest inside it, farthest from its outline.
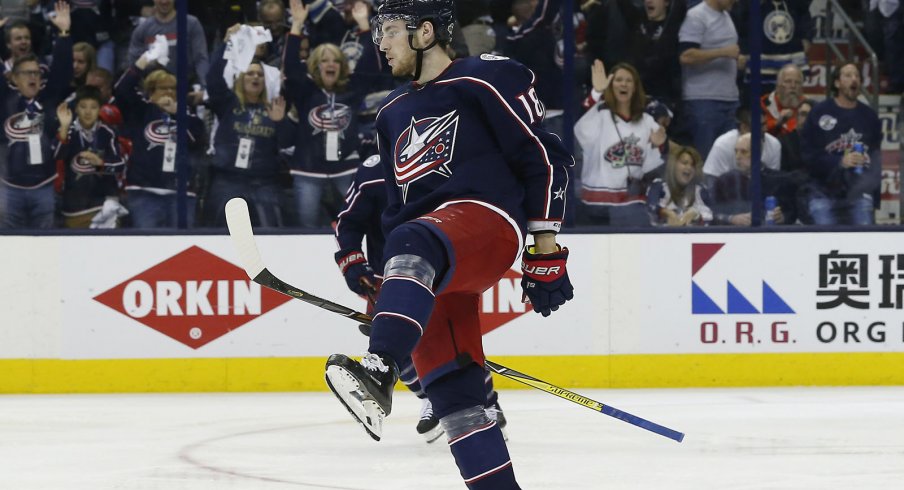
(284, 93)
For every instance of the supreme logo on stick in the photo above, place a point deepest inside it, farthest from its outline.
(193, 297)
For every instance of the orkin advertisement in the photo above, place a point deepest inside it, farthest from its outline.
(758, 293)
(161, 297)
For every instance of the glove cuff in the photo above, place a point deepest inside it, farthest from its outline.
(348, 258)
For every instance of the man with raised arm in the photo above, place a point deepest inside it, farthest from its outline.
(469, 171)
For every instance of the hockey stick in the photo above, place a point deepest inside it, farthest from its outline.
(239, 223)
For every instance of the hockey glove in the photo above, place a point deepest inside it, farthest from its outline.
(545, 280)
(358, 274)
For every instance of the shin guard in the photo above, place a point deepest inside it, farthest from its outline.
(479, 450)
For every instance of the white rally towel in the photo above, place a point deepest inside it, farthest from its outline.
(272, 80)
(158, 50)
(240, 50)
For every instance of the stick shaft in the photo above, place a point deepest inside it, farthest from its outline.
(584, 401)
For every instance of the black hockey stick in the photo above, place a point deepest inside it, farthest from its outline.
(240, 230)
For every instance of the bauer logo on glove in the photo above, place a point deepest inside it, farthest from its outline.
(545, 281)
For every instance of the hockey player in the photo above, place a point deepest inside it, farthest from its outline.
(360, 218)
(468, 170)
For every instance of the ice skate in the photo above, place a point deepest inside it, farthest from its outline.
(495, 413)
(365, 388)
(429, 426)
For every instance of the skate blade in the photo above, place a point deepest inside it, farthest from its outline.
(367, 412)
(433, 434)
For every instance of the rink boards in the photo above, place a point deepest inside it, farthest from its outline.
(176, 313)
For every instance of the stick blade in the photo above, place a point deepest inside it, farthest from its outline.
(239, 222)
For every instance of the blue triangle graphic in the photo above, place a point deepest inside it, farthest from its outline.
(701, 303)
(772, 302)
(737, 303)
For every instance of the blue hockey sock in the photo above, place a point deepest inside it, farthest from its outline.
(403, 311)
(479, 449)
(475, 440)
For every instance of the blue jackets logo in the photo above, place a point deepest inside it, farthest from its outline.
(735, 302)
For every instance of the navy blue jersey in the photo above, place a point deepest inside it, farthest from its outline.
(249, 121)
(85, 186)
(364, 203)
(25, 119)
(474, 133)
(320, 114)
(150, 128)
(829, 132)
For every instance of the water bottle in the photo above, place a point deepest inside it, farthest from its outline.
(858, 148)
(770, 205)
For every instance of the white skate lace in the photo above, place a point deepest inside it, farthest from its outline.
(372, 362)
(426, 410)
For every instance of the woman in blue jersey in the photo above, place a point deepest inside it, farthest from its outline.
(326, 98)
(150, 122)
(251, 129)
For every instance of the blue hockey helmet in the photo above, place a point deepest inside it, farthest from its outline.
(441, 13)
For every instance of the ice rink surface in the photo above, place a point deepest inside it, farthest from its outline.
(771, 438)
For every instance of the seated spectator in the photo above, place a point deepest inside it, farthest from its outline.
(326, 99)
(709, 58)
(721, 158)
(780, 105)
(250, 131)
(150, 123)
(28, 132)
(731, 191)
(680, 198)
(841, 146)
(792, 160)
(88, 153)
(620, 143)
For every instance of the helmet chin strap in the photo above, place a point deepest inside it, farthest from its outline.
(419, 57)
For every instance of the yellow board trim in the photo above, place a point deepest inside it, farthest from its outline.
(306, 374)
